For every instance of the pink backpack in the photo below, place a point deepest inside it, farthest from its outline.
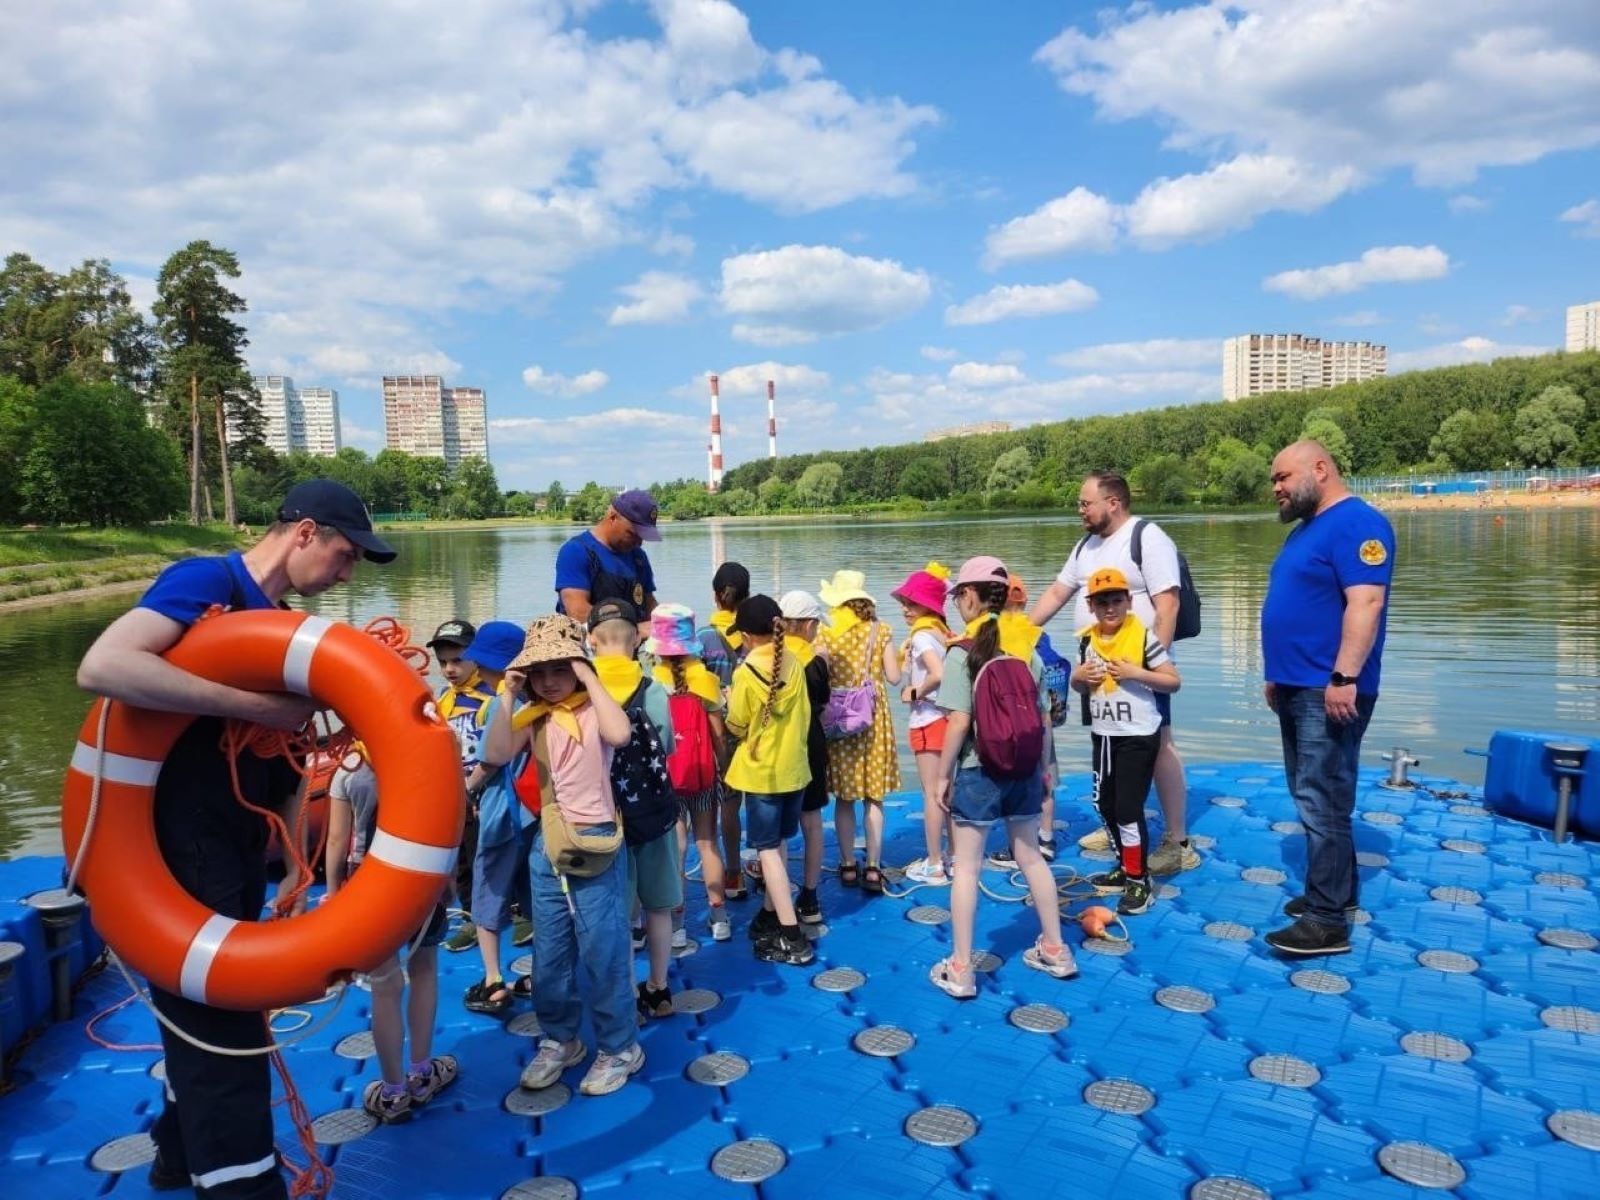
(1007, 727)
(693, 761)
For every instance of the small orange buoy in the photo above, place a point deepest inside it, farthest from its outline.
(1097, 920)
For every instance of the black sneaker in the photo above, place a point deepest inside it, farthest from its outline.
(1136, 897)
(653, 1002)
(1296, 909)
(764, 927)
(1002, 859)
(788, 946)
(1109, 883)
(1307, 939)
(807, 908)
(163, 1178)
(1047, 849)
(636, 935)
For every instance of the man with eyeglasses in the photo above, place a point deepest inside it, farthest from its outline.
(1104, 503)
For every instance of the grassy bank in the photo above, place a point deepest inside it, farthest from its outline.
(50, 562)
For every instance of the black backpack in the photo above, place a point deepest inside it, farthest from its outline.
(640, 781)
(1188, 623)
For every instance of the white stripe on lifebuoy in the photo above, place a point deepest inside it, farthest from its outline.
(116, 768)
(412, 856)
(201, 954)
(302, 648)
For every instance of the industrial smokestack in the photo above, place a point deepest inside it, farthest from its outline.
(714, 484)
(772, 421)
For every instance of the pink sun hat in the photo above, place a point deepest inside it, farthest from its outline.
(925, 588)
(672, 632)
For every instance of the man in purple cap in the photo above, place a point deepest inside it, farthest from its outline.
(607, 561)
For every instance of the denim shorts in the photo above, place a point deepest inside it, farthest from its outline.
(499, 877)
(654, 877)
(769, 821)
(978, 799)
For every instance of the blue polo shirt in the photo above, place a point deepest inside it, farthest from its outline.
(585, 556)
(186, 589)
(1349, 544)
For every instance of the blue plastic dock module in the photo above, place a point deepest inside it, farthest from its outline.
(1459, 1043)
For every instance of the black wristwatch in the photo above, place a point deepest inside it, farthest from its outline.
(1339, 680)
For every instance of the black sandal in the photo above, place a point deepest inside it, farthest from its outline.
(522, 989)
(849, 874)
(491, 999)
(872, 880)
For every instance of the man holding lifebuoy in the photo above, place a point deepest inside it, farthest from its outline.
(215, 1132)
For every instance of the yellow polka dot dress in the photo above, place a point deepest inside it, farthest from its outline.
(863, 767)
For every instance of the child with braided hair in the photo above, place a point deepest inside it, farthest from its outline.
(770, 713)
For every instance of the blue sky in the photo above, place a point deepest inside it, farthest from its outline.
(909, 217)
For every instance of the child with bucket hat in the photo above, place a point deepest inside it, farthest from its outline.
(697, 703)
(802, 618)
(569, 725)
(862, 659)
(922, 599)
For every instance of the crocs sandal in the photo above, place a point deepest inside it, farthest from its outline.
(491, 999)
(849, 874)
(872, 880)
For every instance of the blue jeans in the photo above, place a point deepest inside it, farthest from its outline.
(1321, 759)
(582, 955)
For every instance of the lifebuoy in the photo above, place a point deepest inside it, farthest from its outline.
(181, 945)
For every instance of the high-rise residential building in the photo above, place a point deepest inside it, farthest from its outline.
(305, 419)
(1583, 327)
(1255, 363)
(423, 417)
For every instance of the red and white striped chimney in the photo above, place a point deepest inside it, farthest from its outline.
(714, 483)
(772, 421)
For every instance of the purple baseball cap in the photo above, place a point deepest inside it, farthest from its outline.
(638, 508)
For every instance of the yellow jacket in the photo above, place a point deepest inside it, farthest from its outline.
(771, 757)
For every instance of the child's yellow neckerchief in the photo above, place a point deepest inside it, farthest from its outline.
(452, 694)
(930, 621)
(842, 620)
(1018, 635)
(697, 678)
(562, 712)
(1126, 645)
(722, 622)
(619, 676)
(802, 650)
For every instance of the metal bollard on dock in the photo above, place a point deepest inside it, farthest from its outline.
(1399, 760)
(1567, 759)
(60, 912)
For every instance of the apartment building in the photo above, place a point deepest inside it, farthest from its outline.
(1256, 363)
(422, 416)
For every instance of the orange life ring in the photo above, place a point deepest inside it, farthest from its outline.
(181, 945)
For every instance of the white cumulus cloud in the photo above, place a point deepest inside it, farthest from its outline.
(608, 424)
(1585, 218)
(1230, 196)
(539, 380)
(1023, 300)
(1467, 350)
(1155, 354)
(798, 293)
(1079, 221)
(985, 375)
(939, 353)
(655, 298)
(1381, 264)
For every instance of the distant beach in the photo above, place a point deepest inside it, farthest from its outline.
(1490, 501)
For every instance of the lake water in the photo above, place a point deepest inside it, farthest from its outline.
(1492, 625)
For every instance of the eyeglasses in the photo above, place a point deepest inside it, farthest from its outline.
(1085, 505)
(1108, 599)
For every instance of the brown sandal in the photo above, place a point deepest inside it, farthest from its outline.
(849, 874)
(872, 880)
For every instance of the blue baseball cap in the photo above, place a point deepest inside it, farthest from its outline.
(496, 644)
(328, 502)
(638, 508)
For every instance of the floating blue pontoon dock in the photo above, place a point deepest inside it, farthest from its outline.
(1457, 1049)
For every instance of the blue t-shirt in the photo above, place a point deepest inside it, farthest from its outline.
(186, 589)
(500, 814)
(576, 564)
(1350, 544)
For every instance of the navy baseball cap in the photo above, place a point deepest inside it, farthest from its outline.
(328, 502)
(454, 633)
(497, 643)
(613, 610)
(638, 508)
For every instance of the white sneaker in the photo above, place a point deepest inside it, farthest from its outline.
(610, 1071)
(680, 938)
(1095, 839)
(553, 1058)
(924, 872)
(721, 927)
(1058, 963)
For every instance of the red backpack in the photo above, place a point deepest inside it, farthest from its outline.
(1007, 728)
(693, 761)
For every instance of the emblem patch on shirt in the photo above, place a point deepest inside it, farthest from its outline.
(1373, 552)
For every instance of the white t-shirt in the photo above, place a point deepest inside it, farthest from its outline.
(1132, 707)
(926, 710)
(1159, 574)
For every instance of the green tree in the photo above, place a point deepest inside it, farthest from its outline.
(474, 491)
(17, 423)
(923, 479)
(519, 504)
(775, 494)
(1547, 427)
(427, 482)
(1011, 470)
(1331, 434)
(389, 483)
(737, 502)
(202, 359)
(1235, 474)
(589, 505)
(1164, 480)
(555, 497)
(81, 324)
(818, 487)
(1471, 440)
(350, 467)
(94, 458)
